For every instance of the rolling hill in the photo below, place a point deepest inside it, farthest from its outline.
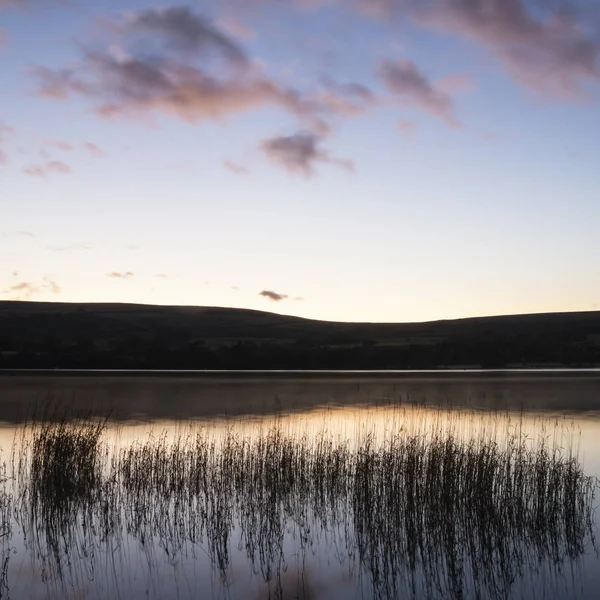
(51, 335)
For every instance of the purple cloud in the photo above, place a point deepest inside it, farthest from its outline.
(118, 275)
(185, 30)
(60, 145)
(404, 79)
(552, 47)
(300, 153)
(24, 290)
(273, 296)
(4, 129)
(407, 128)
(53, 166)
(235, 168)
(175, 62)
(34, 171)
(94, 150)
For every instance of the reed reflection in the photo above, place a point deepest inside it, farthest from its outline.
(409, 502)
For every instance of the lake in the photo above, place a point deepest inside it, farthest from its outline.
(342, 485)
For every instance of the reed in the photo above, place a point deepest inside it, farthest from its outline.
(425, 511)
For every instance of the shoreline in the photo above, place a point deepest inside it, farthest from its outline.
(306, 374)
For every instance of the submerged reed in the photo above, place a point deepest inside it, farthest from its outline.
(425, 511)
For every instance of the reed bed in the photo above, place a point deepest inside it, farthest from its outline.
(424, 510)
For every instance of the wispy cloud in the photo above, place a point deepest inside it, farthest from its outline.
(60, 145)
(405, 80)
(235, 168)
(4, 130)
(34, 171)
(407, 128)
(185, 30)
(174, 62)
(546, 46)
(348, 99)
(43, 170)
(4, 37)
(94, 150)
(301, 153)
(11, 3)
(119, 275)
(77, 247)
(57, 166)
(25, 290)
(177, 63)
(273, 296)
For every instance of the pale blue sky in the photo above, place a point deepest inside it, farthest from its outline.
(485, 200)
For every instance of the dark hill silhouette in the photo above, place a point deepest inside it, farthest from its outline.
(51, 335)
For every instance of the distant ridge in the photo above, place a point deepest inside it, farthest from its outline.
(133, 335)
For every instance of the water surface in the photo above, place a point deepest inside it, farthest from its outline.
(347, 531)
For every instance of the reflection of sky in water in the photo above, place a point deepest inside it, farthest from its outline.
(132, 569)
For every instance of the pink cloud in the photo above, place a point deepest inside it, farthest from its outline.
(456, 84)
(11, 3)
(4, 129)
(24, 290)
(174, 62)
(53, 166)
(57, 166)
(407, 128)
(348, 99)
(35, 171)
(404, 79)
(184, 29)
(550, 50)
(137, 86)
(301, 153)
(4, 37)
(237, 29)
(94, 150)
(60, 145)
(235, 168)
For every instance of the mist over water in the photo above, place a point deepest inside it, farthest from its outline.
(432, 487)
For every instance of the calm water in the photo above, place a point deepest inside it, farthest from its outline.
(335, 538)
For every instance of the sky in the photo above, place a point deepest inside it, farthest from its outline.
(349, 160)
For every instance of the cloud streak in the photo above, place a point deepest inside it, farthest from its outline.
(174, 62)
(407, 83)
(550, 47)
(120, 275)
(553, 52)
(185, 30)
(77, 247)
(301, 153)
(235, 168)
(4, 129)
(273, 296)
(25, 290)
(48, 168)
(94, 150)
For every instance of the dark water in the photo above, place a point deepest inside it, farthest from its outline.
(241, 533)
